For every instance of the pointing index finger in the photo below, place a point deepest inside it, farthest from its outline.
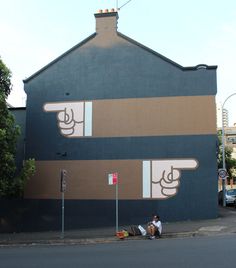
(180, 163)
(54, 107)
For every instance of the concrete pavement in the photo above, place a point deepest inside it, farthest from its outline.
(225, 223)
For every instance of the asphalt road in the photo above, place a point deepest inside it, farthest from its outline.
(213, 251)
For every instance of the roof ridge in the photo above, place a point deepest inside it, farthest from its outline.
(59, 57)
(197, 67)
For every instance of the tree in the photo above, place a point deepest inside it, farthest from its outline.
(11, 184)
(230, 162)
(5, 79)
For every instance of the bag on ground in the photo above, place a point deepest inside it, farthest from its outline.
(122, 234)
(142, 230)
(134, 230)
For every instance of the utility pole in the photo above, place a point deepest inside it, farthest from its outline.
(223, 149)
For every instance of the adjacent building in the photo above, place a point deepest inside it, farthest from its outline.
(222, 117)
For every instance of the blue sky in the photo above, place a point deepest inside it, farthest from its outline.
(34, 32)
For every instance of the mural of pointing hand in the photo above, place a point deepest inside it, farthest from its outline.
(161, 178)
(74, 118)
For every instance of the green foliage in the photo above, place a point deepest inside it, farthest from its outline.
(5, 79)
(10, 184)
(20, 181)
(230, 162)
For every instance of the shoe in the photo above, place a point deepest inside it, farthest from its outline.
(152, 237)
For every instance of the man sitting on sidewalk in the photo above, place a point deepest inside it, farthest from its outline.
(154, 228)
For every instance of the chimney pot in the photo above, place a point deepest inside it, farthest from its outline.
(106, 11)
(100, 11)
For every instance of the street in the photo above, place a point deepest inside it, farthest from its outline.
(212, 251)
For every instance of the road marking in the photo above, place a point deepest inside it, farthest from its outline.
(215, 228)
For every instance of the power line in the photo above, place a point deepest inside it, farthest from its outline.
(118, 8)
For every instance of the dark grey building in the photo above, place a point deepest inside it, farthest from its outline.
(111, 105)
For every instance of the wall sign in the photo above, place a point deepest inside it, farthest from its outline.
(161, 178)
(74, 118)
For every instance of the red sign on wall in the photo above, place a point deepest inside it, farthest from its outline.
(113, 178)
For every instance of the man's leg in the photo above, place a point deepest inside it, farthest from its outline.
(157, 233)
(151, 231)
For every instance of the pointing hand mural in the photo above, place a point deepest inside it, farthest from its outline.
(161, 178)
(74, 118)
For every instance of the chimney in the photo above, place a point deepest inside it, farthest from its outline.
(106, 21)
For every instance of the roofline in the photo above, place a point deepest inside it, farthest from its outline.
(190, 68)
(60, 57)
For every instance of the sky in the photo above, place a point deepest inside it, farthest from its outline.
(35, 32)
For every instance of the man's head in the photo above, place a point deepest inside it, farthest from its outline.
(156, 217)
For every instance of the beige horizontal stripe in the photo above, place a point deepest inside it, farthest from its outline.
(86, 179)
(154, 116)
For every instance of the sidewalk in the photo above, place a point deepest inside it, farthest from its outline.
(225, 223)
